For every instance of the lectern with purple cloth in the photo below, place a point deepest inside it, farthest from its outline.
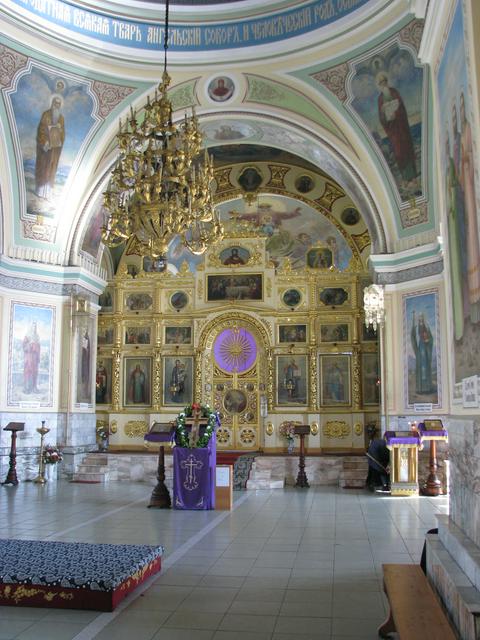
(194, 459)
(160, 433)
(432, 431)
(404, 447)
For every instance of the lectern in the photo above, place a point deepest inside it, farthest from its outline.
(161, 433)
(302, 430)
(403, 446)
(432, 431)
(14, 427)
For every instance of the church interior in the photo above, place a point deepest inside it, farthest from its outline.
(282, 240)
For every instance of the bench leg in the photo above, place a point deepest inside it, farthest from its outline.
(387, 627)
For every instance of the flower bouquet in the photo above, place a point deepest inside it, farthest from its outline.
(51, 455)
(102, 436)
(287, 430)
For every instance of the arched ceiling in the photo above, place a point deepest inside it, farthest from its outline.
(277, 105)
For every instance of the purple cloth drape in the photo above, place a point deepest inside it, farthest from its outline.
(392, 438)
(194, 477)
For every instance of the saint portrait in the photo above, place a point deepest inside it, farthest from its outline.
(234, 401)
(335, 379)
(292, 380)
(221, 89)
(30, 357)
(137, 381)
(177, 380)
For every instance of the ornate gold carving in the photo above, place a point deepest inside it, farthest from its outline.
(184, 269)
(157, 380)
(135, 429)
(313, 377)
(277, 175)
(362, 240)
(117, 356)
(269, 429)
(247, 435)
(330, 194)
(270, 379)
(268, 287)
(314, 428)
(356, 391)
(223, 435)
(113, 426)
(358, 429)
(200, 289)
(198, 376)
(336, 429)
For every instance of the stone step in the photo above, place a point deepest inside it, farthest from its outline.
(352, 483)
(98, 455)
(90, 477)
(92, 468)
(355, 464)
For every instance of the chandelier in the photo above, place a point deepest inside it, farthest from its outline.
(160, 188)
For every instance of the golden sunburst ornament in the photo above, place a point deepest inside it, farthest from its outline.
(235, 350)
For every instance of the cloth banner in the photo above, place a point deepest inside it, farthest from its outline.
(194, 477)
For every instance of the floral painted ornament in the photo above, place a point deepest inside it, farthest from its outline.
(197, 412)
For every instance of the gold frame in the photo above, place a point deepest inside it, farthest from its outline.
(210, 277)
(335, 324)
(323, 358)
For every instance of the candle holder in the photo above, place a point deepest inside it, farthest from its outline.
(40, 479)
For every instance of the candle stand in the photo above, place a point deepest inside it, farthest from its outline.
(40, 479)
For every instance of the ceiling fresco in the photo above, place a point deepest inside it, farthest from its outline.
(291, 228)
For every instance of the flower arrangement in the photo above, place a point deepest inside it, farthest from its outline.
(181, 436)
(287, 430)
(51, 455)
(102, 432)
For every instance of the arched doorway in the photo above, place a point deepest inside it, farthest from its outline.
(235, 372)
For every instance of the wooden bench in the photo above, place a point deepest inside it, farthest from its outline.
(415, 611)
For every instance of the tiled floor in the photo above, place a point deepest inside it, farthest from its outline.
(292, 564)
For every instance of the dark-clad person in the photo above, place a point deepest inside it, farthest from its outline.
(378, 465)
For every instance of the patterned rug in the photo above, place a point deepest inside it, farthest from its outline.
(241, 471)
(73, 575)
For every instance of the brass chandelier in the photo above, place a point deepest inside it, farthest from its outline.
(159, 187)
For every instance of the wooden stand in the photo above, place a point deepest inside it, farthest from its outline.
(160, 498)
(12, 470)
(302, 431)
(433, 485)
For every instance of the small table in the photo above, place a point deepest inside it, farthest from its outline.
(404, 446)
(432, 431)
(302, 430)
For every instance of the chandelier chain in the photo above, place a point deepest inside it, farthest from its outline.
(160, 187)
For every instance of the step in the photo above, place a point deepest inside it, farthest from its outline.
(352, 483)
(90, 477)
(92, 468)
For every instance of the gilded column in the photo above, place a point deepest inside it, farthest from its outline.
(116, 400)
(270, 380)
(313, 402)
(198, 376)
(356, 386)
(157, 380)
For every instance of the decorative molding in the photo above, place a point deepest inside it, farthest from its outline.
(135, 428)
(224, 435)
(10, 62)
(248, 436)
(358, 429)
(412, 33)
(314, 429)
(109, 96)
(269, 429)
(334, 79)
(414, 273)
(40, 286)
(336, 429)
